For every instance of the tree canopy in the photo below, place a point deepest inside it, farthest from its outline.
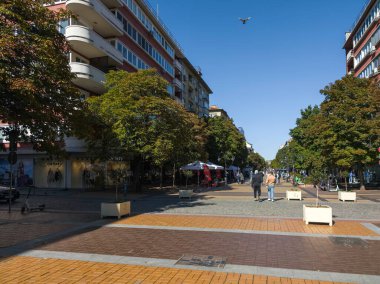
(36, 93)
(341, 134)
(226, 145)
(145, 120)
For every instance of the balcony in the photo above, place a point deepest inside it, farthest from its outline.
(96, 14)
(350, 55)
(113, 3)
(178, 65)
(178, 84)
(89, 43)
(88, 77)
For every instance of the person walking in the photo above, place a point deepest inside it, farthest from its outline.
(270, 181)
(241, 178)
(257, 180)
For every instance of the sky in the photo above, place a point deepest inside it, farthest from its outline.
(263, 73)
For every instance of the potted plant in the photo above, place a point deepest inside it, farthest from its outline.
(316, 212)
(294, 192)
(345, 195)
(186, 193)
(118, 207)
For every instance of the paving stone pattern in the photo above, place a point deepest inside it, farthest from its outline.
(308, 253)
(14, 270)
(253, 224)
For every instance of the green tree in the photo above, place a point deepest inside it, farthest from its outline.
(351, 123)
(36, 93)
(256, 161)
(146, 121)
(225, 143)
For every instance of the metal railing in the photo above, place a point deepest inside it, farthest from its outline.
(153, 12)
(366, 3)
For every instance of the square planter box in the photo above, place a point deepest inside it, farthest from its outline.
(320, 214)
(185, 193)
(347, 195)
(294, 194)
(116, 209)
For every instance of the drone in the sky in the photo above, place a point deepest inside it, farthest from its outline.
(244, 21)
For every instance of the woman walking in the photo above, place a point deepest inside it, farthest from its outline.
(271, 180)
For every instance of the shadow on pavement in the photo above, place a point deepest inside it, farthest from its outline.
(70, 213)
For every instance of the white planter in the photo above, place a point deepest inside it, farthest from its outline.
(115, 209)
(294, 194)
(347, 195)
(320, 214)
(185, 193)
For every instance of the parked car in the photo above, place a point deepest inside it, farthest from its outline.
(4, 194)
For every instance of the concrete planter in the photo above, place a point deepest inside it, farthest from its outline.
(347, 195)
(185, 193)
(116, 209)
(294, 194)
(320, 214)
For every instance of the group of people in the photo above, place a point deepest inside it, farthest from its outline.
(257, 180)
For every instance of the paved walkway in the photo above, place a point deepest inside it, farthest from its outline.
(62, 247)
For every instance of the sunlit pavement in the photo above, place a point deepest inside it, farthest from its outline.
(258, 245)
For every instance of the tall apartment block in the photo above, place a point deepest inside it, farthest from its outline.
(362, 43)
(128, 34)
(108, 35)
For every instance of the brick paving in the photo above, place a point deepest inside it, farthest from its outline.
(292, 252)
(14, 270)
(269, 242)
(16, 228)
(254, 224)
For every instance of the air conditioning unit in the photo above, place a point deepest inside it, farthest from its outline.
(375, 70)
(373, 49)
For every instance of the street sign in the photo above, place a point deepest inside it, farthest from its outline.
(12, 157)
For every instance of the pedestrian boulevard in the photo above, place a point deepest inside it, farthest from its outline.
(59, 247)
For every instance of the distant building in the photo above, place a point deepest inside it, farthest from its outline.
(216, 111)
(362, 43)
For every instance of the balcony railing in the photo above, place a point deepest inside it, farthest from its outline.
(113, 3)
(153, 13)
(178, 65)
(178, 83)
(88, 77)
(98, 15)
(90, 44)
(350, 55)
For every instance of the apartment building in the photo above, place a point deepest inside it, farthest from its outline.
(108, 35)
(216, 111)
(128, 34)
(362, 43)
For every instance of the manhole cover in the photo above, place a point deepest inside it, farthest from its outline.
(202, 260)
(349, 242)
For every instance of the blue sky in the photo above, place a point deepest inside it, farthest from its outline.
(263, 73)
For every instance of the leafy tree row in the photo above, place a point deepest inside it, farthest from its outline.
(341, 134)
(134, 118)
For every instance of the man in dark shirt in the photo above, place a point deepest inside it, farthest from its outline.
(257, 180)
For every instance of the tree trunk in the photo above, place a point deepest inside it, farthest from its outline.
(137, 165)
(116, 194)
(361, 176)
(161, 169)
(173, 175)
(345, 183)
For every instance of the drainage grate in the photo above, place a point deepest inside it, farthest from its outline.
(349, 242)
(202, 260)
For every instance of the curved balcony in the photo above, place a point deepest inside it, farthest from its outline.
(97, 14)
(113, 3)
(88, 77)
(86, 41)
